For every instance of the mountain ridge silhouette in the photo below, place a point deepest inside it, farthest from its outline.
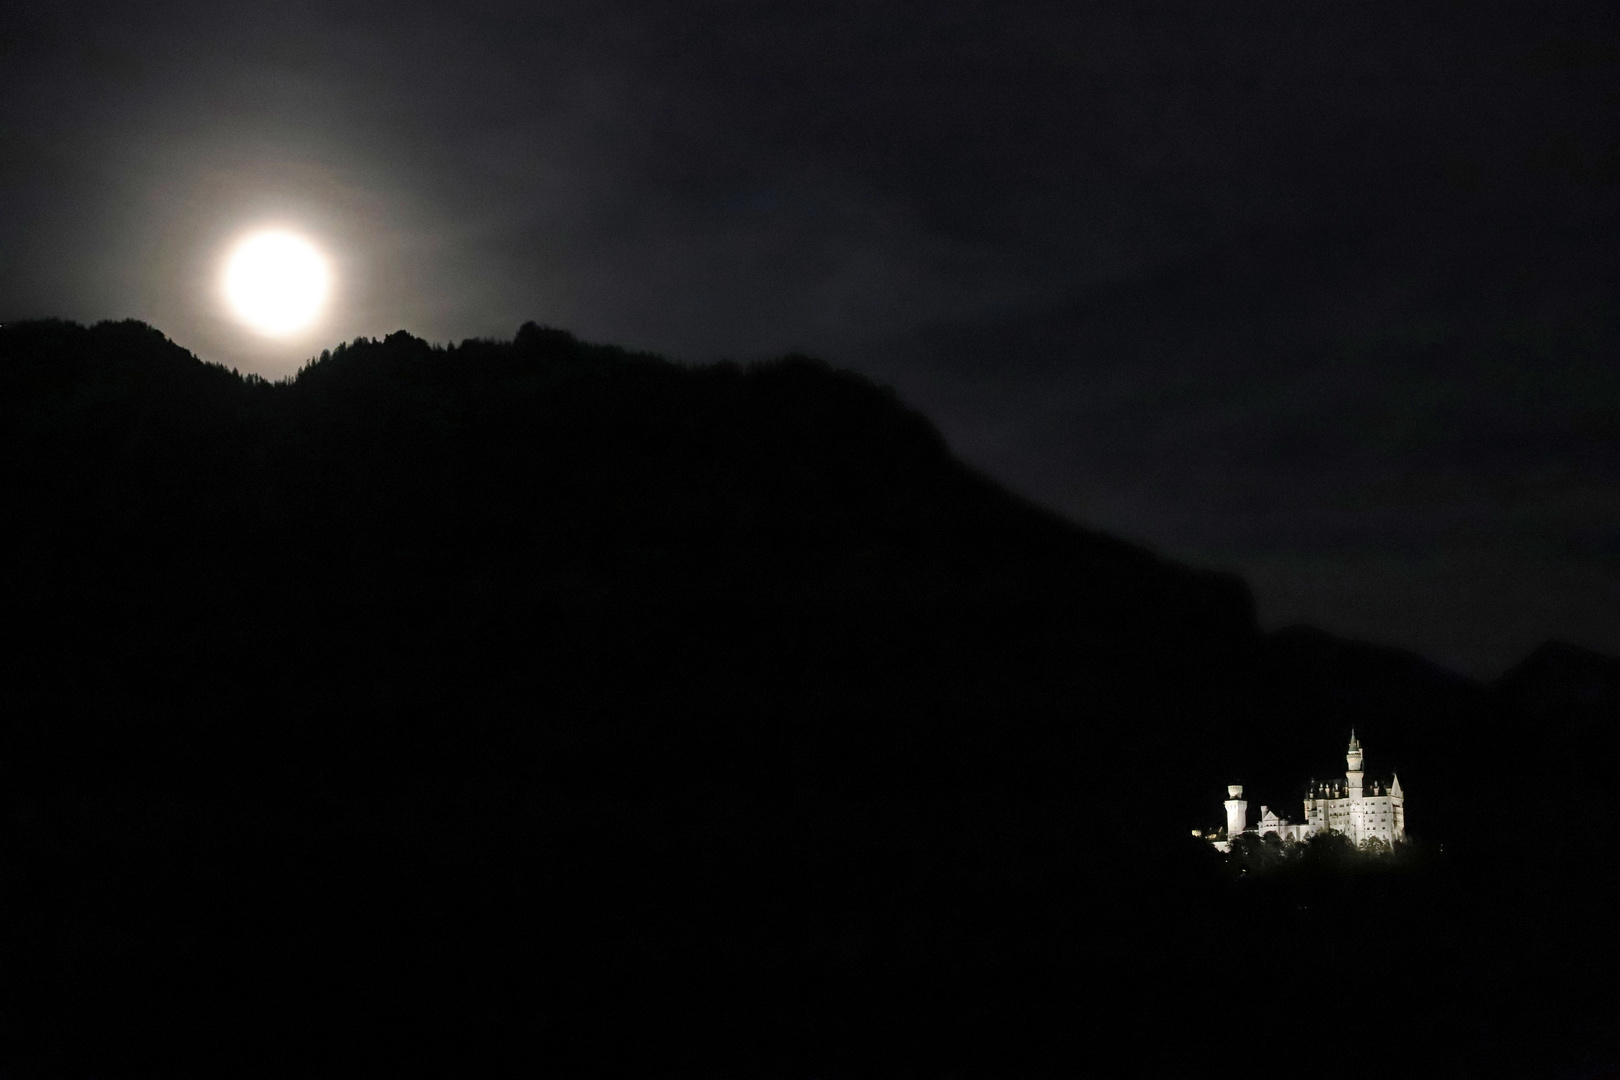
(520, 695)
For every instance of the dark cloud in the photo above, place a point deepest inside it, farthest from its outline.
(1322, 292)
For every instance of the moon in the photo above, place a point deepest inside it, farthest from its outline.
(276, 282)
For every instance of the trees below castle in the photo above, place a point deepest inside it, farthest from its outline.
(1329, 850)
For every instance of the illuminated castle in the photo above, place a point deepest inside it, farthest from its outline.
(1346, 806)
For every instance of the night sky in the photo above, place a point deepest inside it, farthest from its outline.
(1321, 292)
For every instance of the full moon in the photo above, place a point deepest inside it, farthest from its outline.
(276, 283)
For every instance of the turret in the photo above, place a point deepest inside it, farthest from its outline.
(1237, 812)
(1352, 761)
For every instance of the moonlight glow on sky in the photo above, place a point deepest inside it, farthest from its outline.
(1322, 294)
(276, 283)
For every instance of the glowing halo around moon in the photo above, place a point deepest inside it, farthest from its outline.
(276, 282)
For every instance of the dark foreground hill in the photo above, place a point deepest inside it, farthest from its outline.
(537, 705)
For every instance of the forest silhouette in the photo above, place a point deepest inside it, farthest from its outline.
(514, 705)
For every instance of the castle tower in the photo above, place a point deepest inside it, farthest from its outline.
(1397, 803)
(1352, 761)
(1237, 812)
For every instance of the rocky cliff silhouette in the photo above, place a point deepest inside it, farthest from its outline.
(521, 703)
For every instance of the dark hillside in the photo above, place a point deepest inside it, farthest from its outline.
(1558, 718)
(520, 703)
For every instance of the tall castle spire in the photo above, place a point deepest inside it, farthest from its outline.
(1352, 761)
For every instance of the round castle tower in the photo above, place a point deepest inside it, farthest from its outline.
(1237, 812)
